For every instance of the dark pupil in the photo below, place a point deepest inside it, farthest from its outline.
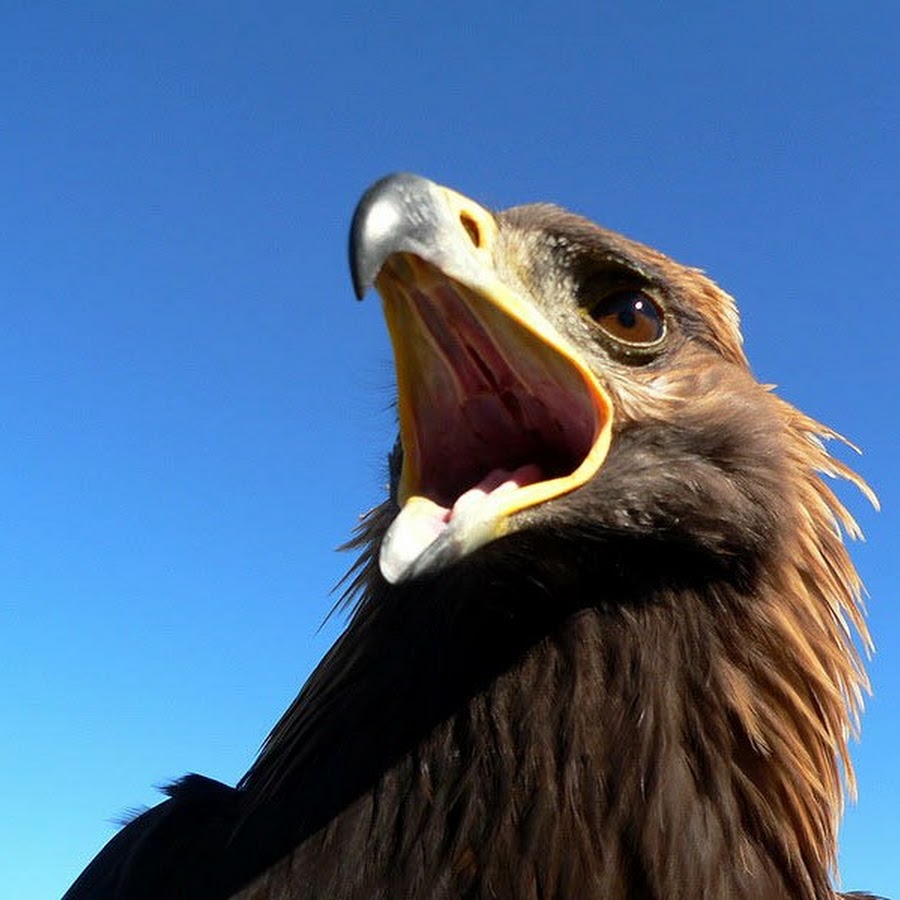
(628, 316)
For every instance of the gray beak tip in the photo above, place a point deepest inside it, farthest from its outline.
(384, 223)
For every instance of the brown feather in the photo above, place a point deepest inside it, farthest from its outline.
(647, 694)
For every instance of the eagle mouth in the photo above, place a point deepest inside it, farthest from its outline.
(496, 413)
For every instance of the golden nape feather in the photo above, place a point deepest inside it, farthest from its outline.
(603, 631)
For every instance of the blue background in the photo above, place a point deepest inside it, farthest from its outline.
(194, 410)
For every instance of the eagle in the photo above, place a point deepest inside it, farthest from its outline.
(604, 638)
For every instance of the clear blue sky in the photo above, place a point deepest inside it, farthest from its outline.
(194, 409)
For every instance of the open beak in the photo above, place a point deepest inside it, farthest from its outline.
(497, 410)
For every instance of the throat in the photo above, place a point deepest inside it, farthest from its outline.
(531, 752)
(599, 775)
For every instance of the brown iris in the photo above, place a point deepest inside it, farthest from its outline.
(630, 316)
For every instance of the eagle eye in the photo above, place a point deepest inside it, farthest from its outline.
(630, 316)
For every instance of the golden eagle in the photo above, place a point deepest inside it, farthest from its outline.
(602, 639)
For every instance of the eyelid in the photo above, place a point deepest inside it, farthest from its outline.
(601, 280)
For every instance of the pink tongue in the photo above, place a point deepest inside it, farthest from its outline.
(499, 481)
(421, 521)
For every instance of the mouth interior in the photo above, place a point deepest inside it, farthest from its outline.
(486, 405)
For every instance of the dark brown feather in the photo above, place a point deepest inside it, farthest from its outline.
(649, 694)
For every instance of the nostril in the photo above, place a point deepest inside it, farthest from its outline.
(472, 229)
